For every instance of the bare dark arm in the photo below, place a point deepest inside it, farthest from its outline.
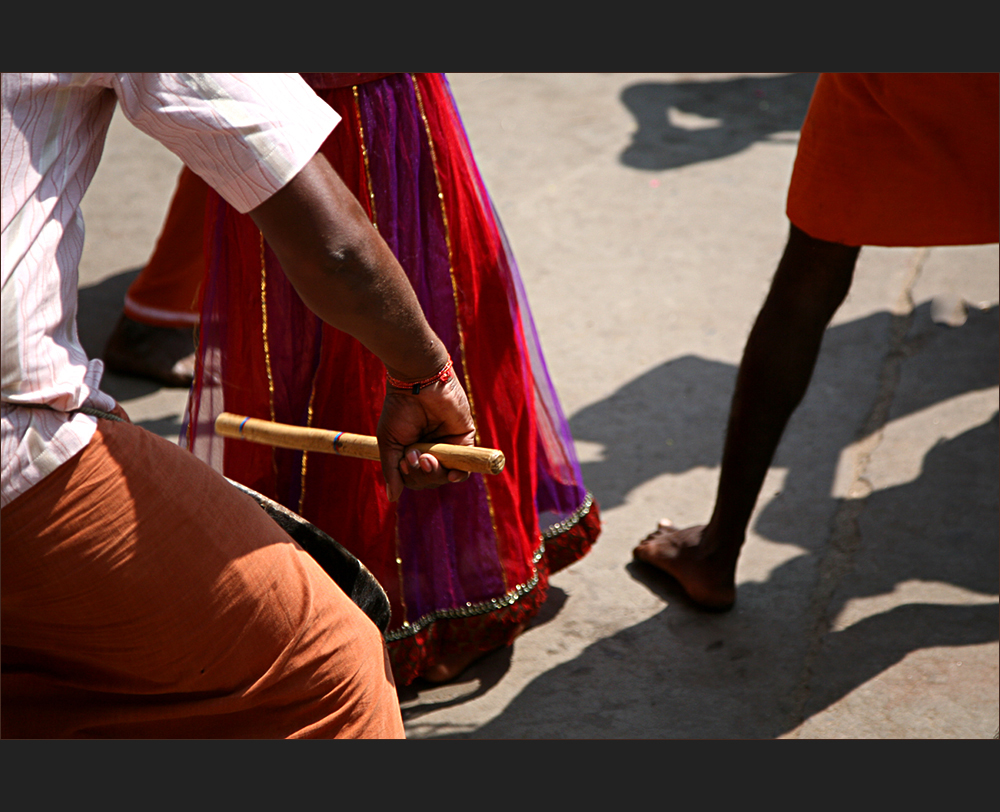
(348, 276)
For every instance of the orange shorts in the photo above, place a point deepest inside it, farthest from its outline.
(899, 159)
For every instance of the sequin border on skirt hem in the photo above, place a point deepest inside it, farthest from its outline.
(511, 597)
(491, 625)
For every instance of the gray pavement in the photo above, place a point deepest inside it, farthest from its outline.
(646, 212)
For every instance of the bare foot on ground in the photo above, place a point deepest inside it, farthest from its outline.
(162, 354)
(450, 667)
(680, 554)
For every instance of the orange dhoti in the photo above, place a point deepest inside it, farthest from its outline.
(144, 596)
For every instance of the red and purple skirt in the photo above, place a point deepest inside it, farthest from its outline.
(464, 565)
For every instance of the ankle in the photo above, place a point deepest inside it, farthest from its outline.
(721, 544)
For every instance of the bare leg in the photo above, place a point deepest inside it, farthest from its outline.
(154, 337)
(811, 282)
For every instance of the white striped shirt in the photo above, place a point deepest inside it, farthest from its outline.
(247, 135)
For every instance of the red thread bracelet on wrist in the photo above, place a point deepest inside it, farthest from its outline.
(415, 386)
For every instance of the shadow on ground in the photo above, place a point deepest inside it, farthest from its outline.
(681, 123)
(100, 305)
(672, 419)
(776, 660)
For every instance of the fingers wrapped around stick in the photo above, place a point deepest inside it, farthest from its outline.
(472, 459)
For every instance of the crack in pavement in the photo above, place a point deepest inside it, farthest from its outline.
(845, 532)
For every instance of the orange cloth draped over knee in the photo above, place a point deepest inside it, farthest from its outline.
(165, 293)
(144, 596)
(899, 160)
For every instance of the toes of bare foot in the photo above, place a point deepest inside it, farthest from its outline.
(162, 354)
(665, 539)
(453, 665)
(665, 524)
(706, 581)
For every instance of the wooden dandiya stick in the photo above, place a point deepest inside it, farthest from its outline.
(473, 459)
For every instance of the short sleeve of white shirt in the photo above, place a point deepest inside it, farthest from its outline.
(247, 135)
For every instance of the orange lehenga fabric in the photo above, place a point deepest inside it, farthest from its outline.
(464, 565)
(166, 291)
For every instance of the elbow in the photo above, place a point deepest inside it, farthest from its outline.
(343, 261)
(342, 268)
